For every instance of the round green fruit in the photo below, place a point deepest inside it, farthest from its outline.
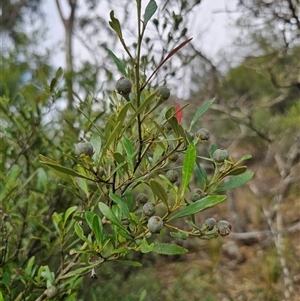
(220, 155)
(172, 175)
(224, 228)
(197, 194)
(210, 223)
(203, 134)
(163, 92)
(142, 198)
(84, 148)
(51, 291)
(173, 157)
(155, 224)
(149, 209)
(124, 86)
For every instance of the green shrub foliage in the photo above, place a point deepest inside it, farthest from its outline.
(104, 183)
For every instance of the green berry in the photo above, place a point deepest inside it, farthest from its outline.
(173, 157)
(124, 86)
(155, 224)
(172, 175)
(168, 127)
(210, 223)
(163, 92)
(84, 148)
(142, 198)
(197, 194)
(149, 209)
(224, 227)
(220, 155)
(51, 291)
(203, 134)
(101, 171)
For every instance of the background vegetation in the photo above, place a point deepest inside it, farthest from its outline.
(256, 111)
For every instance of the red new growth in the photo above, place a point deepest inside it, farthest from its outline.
(179, 114)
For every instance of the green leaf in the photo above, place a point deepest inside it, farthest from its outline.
(30, 265)
(145, 247)
(59, 73)
(68, 213)
(200, 112)
(82, 183)
(120, 65)
(96, 226)
(188, 166)
(79, 232)
(169, 249)
(131, 263)
(112, 136)
(157, 154)
(244, 158)
(96, 143)
(130, 151)
(121, 204)
(201, 176)
(212, 149)
(108, 213)
(138, 111)
(120, 160)
(236, 171)
(115, 24)
(235, 182)
(42, 77)
(159, 191)
(61, 170)
(199, 206)
(149, 11)
(121, 116)
(78, 272)
(179, 235)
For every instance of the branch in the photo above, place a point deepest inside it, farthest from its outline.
(259, 235)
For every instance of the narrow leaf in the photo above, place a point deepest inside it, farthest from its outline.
(98, 229)
(200, 112)
(79, 232)
(188, 166)
(172, 52)
(120, 65)
(235, 182)
(131, 263)
(139, 110)
(121, 204)
(130, 151)
(244, 158)
(159, 191)
(201, 176)
(179, 235)
(68, 213)
(157, 154)
(236, 171)
(112, 136)
(199, 206)
(115, 24)
(78, 272)
(145, 247)
(169, 249)
(149, 11)
(107, 212)
(121, 116)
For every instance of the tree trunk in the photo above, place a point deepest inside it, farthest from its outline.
(68, 24)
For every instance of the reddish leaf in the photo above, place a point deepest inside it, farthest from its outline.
(172, 52)
(178, 114)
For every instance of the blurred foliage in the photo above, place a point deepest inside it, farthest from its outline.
(256, 109)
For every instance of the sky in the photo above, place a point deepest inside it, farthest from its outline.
(210, 24)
